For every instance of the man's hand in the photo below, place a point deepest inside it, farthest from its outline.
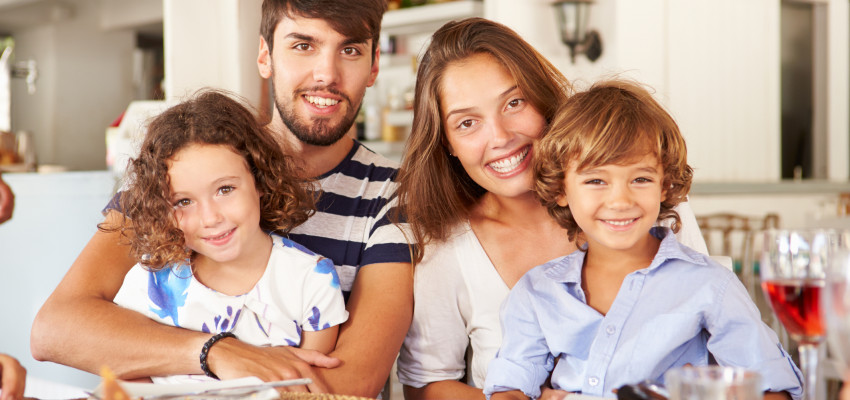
(231, 358)
(7, 201)
(12, 378)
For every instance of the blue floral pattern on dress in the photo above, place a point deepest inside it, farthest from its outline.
(167, 290)
(326, 266)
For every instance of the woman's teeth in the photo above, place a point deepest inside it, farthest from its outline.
(508, 164)
(321, 102)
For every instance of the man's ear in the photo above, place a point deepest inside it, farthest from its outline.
(264, 60)
(373, 74)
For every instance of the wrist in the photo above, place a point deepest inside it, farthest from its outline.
(206, 349)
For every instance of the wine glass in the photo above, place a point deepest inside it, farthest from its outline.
(793, 267)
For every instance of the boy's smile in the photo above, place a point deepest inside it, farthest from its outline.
(616, 205)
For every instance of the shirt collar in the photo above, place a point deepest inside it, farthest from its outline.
(567, 269)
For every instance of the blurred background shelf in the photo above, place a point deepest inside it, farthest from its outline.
(429, 17)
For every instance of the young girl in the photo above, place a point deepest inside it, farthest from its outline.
(632, 302)
(210, 199)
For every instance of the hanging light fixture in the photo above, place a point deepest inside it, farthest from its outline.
(572, 23)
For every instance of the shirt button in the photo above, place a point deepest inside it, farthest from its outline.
(610, 329)
(593, 381)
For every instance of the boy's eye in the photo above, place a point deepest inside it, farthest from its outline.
(643, 180)
(593, 182)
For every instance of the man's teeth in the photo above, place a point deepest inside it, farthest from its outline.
(321, 101)
(620, 222)
(508, 164)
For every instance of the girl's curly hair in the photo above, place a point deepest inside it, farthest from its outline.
(211, 117)
(613, 122)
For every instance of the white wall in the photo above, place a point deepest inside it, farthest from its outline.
(714, 63)
(85, 82)
(212, 43)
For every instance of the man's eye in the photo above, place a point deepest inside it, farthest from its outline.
(302, 46)
(351, 51)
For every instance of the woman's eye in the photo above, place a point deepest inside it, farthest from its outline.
(515, 103)
(467, 123)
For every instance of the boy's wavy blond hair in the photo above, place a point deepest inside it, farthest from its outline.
(613, 122)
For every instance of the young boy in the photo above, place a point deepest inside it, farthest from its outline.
(632, 303)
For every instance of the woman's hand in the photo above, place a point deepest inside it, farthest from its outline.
(552, 394)
(12, 378)
(231, 358)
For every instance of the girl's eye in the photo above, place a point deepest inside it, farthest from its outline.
(182, 203)
(225, 189)
(515, 103)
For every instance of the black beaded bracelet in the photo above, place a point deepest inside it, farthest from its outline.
(206, 349)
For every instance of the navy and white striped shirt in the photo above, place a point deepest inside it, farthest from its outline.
(351, 225)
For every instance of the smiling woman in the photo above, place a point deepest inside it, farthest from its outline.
(483, 96)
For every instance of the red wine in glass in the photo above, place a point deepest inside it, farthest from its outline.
(796, 303)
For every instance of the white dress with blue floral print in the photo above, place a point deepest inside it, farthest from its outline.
(299, 290)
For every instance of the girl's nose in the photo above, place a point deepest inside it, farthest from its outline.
(210, 214)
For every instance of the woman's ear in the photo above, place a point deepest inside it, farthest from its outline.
(562, 200)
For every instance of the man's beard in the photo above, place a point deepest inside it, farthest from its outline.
(318, 131)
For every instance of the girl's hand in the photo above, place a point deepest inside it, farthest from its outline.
(12, 378)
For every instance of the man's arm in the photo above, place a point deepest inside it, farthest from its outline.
(133, 345)
(129, 343)
(380, 310)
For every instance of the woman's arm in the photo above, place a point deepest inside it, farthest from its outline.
(7, 201)
(322, 341)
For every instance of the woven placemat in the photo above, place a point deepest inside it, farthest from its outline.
(319, 396)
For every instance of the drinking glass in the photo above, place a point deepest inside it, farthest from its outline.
(793, 267)
(713, 382)
(836, 300)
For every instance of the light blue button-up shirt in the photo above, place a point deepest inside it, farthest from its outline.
(675, 312)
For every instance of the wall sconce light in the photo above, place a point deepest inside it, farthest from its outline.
(572, 23)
